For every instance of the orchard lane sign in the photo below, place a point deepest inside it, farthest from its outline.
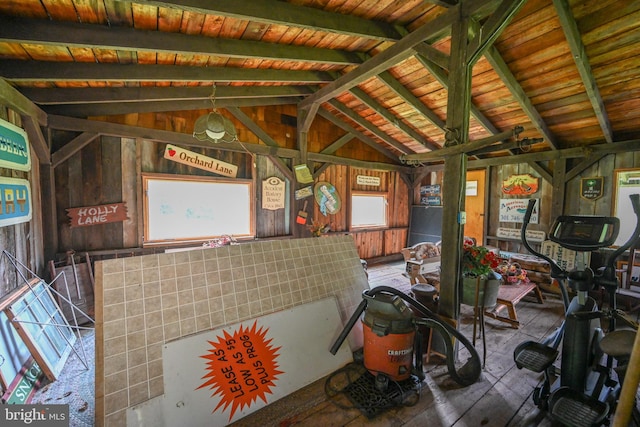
(14, 147)
(189, 158)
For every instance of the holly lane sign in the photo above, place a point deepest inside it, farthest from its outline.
(94, 215)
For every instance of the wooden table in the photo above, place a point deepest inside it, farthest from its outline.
(508, 297)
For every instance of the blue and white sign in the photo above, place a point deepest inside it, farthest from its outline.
(15, 201)
(513, 210)
(14, 147)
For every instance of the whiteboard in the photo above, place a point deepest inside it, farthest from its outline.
(178, 208)
(624, 212)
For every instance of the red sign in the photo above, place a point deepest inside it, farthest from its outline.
(520, 185)
(93, 215)
(241, 368)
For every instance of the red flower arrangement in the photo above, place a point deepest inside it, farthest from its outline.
(477, 260)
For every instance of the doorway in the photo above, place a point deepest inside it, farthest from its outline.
(474, 203)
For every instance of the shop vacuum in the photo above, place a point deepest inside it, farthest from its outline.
(392, 352)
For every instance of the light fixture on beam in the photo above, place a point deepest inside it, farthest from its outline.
(214, 126)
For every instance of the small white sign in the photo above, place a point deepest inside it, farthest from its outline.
(373, 181)
(273, 193)
(513, 210)
(514, 233)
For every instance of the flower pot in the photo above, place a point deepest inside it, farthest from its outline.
(491, 285)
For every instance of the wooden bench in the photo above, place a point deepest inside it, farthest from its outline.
(508, 297)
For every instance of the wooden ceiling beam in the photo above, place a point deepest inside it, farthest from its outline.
(39, 71)
(10, 97)
(492, 28)
(287, 14)
(389, 117)
(404, 93)
(73, 34)
(466, 148)
(400, 51)
(338, 143)
(352, 115)
(393, 55)
(100, 95)
(113, 108)
(72, 147)
(187, 140)
(264, 137)
(441, 75)
(579, 53)
(502, 69)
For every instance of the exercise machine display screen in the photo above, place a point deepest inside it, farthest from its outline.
(584, 233)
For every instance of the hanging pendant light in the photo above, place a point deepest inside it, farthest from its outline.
(214, 126)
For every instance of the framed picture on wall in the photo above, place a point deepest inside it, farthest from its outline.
(622, 269)
(625, 183)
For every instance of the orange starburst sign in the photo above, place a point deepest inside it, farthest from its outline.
(241, 367)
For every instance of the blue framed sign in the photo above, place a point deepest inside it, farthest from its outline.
(15, 201)
(14, 147)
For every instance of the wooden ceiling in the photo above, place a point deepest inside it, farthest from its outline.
(566, 71)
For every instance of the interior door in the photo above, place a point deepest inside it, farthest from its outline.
(474, 205)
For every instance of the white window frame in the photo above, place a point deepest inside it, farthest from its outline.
(193, 209)
(354, 204)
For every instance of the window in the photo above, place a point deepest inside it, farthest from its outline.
(42, 327)
(183, 208)
(368, 210)
(626, 182)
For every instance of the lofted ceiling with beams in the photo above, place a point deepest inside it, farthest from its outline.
(566, 71)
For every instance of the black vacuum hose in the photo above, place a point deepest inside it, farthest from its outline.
(466, 375)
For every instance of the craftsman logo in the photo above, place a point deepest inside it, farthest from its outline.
(241, 368)
(400, 352)
(34, 415)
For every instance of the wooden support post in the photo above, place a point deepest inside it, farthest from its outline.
(455, 168)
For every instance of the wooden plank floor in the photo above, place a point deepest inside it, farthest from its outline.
(502, 396)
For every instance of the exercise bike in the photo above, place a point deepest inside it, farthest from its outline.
(592, 361)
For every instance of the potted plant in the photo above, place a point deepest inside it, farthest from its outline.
(478, 271)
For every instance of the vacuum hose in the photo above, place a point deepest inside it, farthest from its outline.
(466, 375)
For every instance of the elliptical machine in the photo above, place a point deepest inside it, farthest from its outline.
(592, 362)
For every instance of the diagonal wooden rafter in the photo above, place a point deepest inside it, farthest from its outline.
(72, 147)
(492, 28)
(500, 67)
(439, 74)
(45, 32)
(388, 116)
(264, 137)
(352, 115)
(381, 62)
(337, 144)
(411, 99)
(572, 33)
(361, 136)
